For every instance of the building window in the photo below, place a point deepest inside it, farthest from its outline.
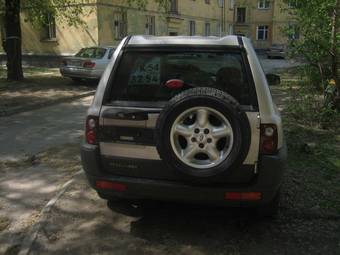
(207, 29)
(192, 28)
(150, 28)
(120, 25)
(262, 33)
(174, 6)
(231, 4)
(241, 15)
(263, 4)
(50, 32)
(292, 3)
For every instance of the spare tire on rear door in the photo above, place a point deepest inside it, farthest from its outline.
(202, 132)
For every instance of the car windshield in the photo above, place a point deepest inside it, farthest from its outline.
(91, 53)
(141, 76)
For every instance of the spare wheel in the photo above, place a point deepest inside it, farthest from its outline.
(202, 132)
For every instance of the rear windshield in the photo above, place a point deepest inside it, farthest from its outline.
(91, 53)
(141, 76)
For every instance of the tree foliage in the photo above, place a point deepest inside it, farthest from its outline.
(64, 11)
(317, 45)
(69, 11)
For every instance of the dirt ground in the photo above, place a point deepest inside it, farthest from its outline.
(42, 87)
(308, 223)
(80, 223)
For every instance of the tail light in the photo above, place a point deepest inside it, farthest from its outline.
(243, 196)
(91, 130)
(116, 186)
(269, 139)
(89, 64)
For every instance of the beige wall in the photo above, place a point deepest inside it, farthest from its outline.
(136, 20)
(100, 24)
(255, 17)
(275, 18)
(282, 18)
(201, 13)
(188, 10)
(68, 39)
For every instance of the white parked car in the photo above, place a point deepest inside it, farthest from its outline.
(88, 63)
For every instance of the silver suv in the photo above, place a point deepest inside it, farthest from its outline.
(186, 119)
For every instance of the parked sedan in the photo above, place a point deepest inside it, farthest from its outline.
(277, 51)
(88, 63)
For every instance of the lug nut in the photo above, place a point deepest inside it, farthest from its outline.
(197, 130)
(206, 131)
(193, 140)
(201, 145)
(209, 140)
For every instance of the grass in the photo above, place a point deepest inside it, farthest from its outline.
(313, 174)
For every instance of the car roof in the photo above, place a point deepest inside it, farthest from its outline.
(230, 40)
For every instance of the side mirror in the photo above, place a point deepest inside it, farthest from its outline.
(273, 79)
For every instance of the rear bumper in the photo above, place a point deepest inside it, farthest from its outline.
(83, 73)
(267, 181)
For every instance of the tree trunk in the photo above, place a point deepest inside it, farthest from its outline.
(334, 50)
(13, 40)
(335, 54)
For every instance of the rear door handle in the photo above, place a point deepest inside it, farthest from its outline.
(120, 114)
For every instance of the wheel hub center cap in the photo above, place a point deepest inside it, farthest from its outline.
(201, 138)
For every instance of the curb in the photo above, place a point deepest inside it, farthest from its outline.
(7, 113)
(31, 236)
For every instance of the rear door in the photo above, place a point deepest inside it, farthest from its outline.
(129, 115)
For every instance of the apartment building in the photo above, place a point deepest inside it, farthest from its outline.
(111, 20)
(264, 21)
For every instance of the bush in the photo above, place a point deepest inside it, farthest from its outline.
(307, 106)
